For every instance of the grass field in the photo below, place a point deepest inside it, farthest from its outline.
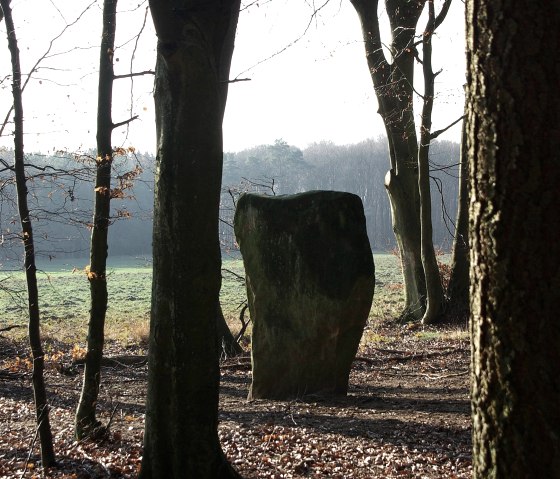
(64, 296)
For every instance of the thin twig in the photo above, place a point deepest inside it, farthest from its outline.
(132, 57)
(236, 80)
(291, 44)
(107, 428)
(136, 74)
(31, 450)
(243, 322)
(238, 276)
(41, 58)
(9, 328)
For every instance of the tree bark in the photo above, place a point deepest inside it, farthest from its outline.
(228, 346)
(39, 389)
(393, 84)
(458, 290)
(434, 288)
(86, 421)
(402, 189)
(514, 140)
(195, 45)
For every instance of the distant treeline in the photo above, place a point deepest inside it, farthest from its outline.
(359, 168)
(61, 193)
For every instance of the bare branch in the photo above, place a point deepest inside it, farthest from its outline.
(225, 222)
(73, 49)
(58, 10)
(134, 9)
(377, 62)
(441, 15)
(234, 274)
(236, 80)
(255, 183)
(243, 323)
(64, 85)
(7, 166)
(289, 45)
(436, 133)
(445, 214)
(132, 57)
(136, 74)
(434, 167)
(42, 57)
(126, 122)
(254, 2)
(13, 326)
(232, 196)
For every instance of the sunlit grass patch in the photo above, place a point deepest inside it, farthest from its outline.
(444, 333)
(65, 299)
(372, 338)
(428, 335)
(139, 332)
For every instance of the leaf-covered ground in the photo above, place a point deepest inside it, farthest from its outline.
(407, 415)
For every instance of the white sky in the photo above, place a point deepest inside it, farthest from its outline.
(317, 89)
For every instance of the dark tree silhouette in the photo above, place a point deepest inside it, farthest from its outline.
(39, 389)
(458, 290)
(195, 46)
(86, 421)
(514, 140)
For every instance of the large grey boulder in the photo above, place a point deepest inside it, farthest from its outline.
(310, 279)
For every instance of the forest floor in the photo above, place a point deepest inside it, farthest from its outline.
(407, 414)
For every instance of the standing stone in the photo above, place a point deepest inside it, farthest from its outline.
(310, 280)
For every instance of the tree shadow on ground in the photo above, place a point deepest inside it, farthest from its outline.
(414, 434)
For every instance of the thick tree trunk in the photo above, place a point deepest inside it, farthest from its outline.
(194, 54)
(458, 290)
(86, 421)
(402, 189)
(514, 140)
(39, 390)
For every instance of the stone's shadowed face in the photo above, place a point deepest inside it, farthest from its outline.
(310, 281)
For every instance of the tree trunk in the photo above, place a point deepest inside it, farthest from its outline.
(393, 83)
(39, 390)
(434, 288)
(402, 189)
(86, 421)
(195, 45)
(458, 289)
(228, 346)
(514, 140)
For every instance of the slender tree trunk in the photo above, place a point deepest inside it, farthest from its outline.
(86, 421)
(227, 345)
(514, 140)
(39, 390)
(434, 288)
(195, 45)
(458, 289)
